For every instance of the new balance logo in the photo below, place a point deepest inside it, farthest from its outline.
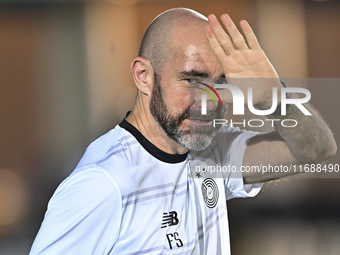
(169, 219)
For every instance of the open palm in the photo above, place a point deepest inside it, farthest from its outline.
(243, 65)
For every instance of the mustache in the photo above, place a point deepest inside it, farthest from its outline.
(195, 113)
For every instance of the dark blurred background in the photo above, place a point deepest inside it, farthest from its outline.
(65, 80)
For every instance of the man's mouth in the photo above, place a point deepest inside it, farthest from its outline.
(200, 121)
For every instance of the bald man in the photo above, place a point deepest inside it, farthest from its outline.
(134, 191)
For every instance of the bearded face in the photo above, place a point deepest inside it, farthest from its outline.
(196, 137)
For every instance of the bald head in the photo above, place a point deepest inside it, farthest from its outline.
(156, 45)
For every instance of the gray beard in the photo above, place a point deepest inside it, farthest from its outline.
(197, 138)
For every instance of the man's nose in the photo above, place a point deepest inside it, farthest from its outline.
(202, 100)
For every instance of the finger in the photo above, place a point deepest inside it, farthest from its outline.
(221, 36)
(251, 37)
(215, 45)
(235, 35)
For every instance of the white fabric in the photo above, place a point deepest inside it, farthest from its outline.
(119, 195)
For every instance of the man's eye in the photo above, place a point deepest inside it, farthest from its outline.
(221, 81)
(194, 80)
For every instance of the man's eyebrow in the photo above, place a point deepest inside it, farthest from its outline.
(195, 73)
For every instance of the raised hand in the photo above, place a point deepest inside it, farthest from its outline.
(240, 60)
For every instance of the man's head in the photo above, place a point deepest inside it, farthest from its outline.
(157, 40)
(176, 48)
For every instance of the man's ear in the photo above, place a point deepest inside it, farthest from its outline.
(143, 75)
